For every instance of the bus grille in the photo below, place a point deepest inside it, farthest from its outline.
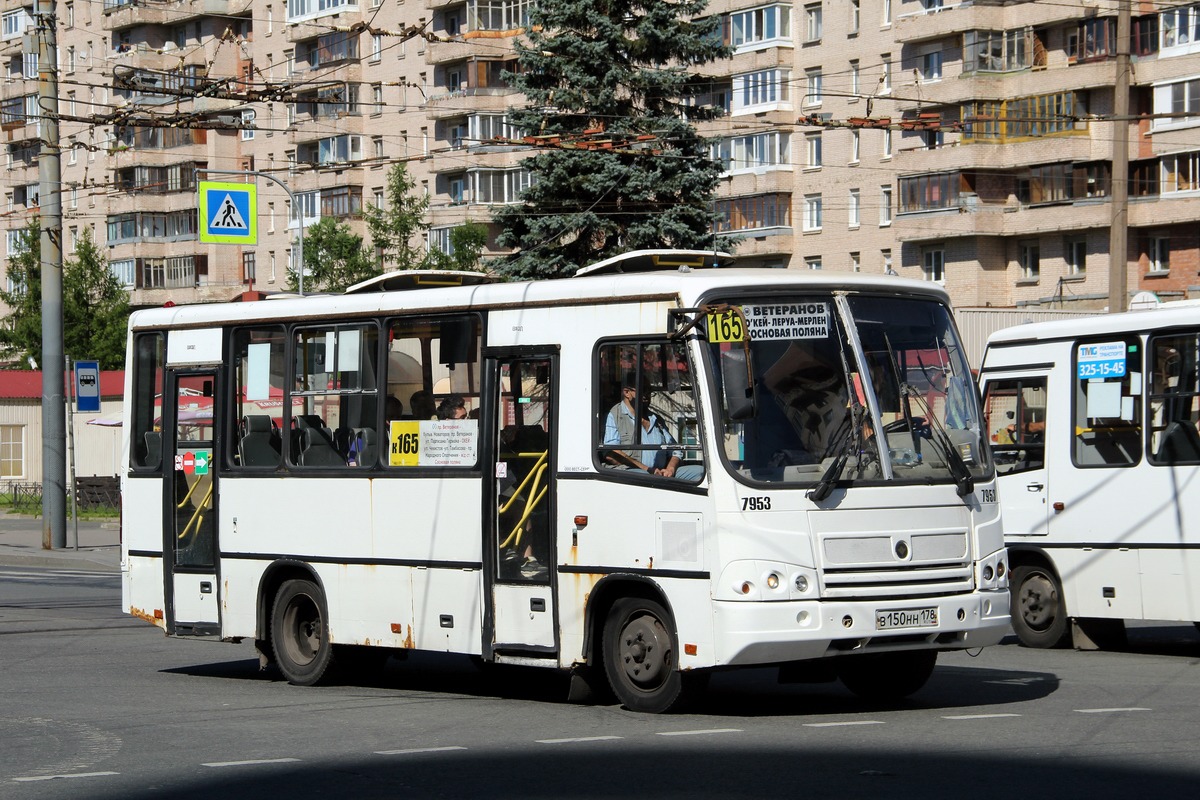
(916, 563)
(908, 580)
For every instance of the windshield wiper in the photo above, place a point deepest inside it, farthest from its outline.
(848, 440)
(959, 470)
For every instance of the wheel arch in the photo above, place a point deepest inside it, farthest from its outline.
(602, 597)
(273, 577)
(1025, 555)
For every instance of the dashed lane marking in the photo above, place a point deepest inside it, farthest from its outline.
(700, 732)
(979, 716)
(250, 762)
(1108, 710)
(415, 750)
(843, 724)
(578, 739)
(32, 778)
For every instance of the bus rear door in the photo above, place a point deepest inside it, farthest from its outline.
(1014, 408)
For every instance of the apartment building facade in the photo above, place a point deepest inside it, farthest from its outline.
(968, 143)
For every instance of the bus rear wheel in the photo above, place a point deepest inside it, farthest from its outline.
(1039, 615)
(641, 659)
(886, 677)
(299, 633)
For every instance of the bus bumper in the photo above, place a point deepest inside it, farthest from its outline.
(774, 632)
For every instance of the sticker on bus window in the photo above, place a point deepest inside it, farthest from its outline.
(725, 326)
(791, 321)
(1103, 360)
(433, 443)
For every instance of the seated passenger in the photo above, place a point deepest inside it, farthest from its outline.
(453, 407)
(631, 422)
(421, 404)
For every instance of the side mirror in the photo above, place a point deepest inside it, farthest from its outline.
(735, 378)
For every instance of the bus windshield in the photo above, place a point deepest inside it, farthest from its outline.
(833, 377)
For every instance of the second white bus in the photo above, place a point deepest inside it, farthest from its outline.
(1093, 423)
(420, 466)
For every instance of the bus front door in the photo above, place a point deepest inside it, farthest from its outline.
(1015, 414)
(520, 532)
(189, 447)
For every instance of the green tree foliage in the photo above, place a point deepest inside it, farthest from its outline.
(624, 66)
(466, 247)
(95, 305)
(334, 258)
(399, 223)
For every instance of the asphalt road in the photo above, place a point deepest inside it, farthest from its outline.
(98, 705)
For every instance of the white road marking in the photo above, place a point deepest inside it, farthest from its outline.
(57, 777)
(700, 733)
(980, 716)
(578, 739)
(842, 724)
(250, 762)
(1108, 710)
(415, 750)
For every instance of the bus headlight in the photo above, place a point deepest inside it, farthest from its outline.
(766, 580)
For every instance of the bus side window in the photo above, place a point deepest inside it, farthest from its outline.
(1015, 415)
(1107, 417)
(1174, 400)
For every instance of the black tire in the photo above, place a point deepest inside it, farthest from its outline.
(300, 633)
(641, 658)
(886, 677)
(1039, 614)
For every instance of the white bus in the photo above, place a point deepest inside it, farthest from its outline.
(1093, 425)
(419, 466)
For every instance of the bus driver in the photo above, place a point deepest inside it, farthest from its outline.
(632, 422)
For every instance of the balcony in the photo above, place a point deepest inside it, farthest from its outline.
(966, 16)
(183, 10)
(446, 104)
(447, 52)
(118, 17)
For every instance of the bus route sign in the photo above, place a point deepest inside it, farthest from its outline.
(228, 213)
(1103, 360)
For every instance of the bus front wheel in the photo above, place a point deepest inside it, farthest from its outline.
(1039, 615)
(299, 633)
(641, 660)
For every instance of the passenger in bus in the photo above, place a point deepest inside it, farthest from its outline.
(631, 422)
(392, 409)
(422, 405)
(452, 407)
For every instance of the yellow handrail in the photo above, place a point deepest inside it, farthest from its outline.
(198, 514)
(536, 491)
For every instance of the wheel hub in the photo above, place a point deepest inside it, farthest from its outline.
(643, 654)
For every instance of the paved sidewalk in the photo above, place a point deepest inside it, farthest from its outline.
(21, 544)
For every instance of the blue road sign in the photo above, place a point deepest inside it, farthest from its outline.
(87, 386)
(228, 213)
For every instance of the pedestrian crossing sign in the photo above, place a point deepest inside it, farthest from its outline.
(228, 213)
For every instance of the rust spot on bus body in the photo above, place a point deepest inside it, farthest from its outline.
(154, 618)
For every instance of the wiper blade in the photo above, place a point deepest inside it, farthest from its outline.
(848, 441)
(964, 481)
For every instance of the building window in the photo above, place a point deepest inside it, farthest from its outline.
(754, 212)
(887, 143)
(1180, 173)
(125, 271)
(812, 262)
(248, 269)
(812, 86)
(812, 148)
(758, 25)
(855, 15)
(855, 82)
(1030, 254)
(855, 262)
(12, 451)
(855, 146)
(1158, 251)
(1180, 27)
(1076, 256)
(934, 264)
(887, 12)
(886, 258)
(929, 192)
(996, 51)
(1025, 117)
(812, 212)
(757, 89)
(754, 151)
(931, 66)
(855, 213)
(377, 98)
(885, 206)
(812, 22)
(885, 77)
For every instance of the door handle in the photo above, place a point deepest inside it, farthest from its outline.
(1035, 487)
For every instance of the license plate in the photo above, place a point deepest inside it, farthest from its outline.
(906, 618)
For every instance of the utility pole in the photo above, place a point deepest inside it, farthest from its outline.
(54, 425)
(1118, 235)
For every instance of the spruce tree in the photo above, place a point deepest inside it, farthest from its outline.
(624, 67)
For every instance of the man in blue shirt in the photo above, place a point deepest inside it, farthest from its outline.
(631, 422)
